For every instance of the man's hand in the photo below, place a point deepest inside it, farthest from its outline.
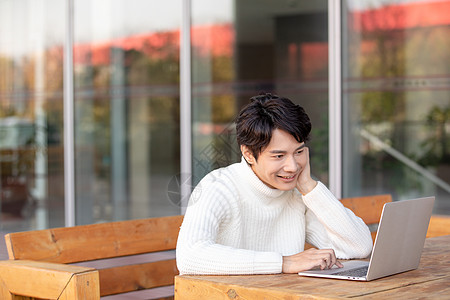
(308, 259)
(305, 183)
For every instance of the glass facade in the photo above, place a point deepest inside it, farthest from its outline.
(126, 71)
(126, 108)
(31, 114)
(396, 99)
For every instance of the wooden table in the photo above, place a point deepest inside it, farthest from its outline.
(430, 281)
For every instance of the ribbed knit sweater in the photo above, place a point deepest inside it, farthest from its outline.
(236, 224)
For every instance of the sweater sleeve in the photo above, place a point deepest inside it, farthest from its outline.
(331, 225)
(197, 249)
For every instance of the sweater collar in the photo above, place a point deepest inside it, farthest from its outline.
(256, 183)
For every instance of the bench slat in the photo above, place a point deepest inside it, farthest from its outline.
(439, 225)
(96, 241)
(137, 277)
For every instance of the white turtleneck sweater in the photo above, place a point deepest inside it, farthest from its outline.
(235, 224)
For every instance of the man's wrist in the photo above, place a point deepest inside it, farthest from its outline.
(307, 187)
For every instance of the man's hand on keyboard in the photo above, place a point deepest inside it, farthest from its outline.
(308, 259)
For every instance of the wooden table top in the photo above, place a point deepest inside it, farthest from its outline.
(431, 281)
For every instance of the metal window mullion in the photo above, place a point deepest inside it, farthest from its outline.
(185, 106)
(69, 156)
(335, 97)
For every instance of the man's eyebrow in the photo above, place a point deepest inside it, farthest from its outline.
(301, 147)
(277, 151)
(282, 151)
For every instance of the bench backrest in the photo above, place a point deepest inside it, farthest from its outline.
(439, 226)
(106, 240)
(369, 209)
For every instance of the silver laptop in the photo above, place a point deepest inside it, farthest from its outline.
(398, 246)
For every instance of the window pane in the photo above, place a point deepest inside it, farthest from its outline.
(31, 114)
(126, 58)
(397, 99)
(242, 48)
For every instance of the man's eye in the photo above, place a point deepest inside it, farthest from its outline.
(278, 156)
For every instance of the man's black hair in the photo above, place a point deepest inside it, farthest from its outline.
(265, 113)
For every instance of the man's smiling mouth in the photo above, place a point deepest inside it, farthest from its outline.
(287, 177)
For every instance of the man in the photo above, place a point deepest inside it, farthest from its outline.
(254, 217)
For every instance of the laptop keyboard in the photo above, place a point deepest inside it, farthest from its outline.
(358, 272)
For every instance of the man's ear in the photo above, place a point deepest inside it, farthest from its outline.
(248, 155)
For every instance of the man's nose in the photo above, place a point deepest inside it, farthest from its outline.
(291, 164)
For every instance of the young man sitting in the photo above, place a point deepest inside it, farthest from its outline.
(254, 217)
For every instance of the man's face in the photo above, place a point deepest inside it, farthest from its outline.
(280, 163)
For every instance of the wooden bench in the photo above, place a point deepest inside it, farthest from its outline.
(41, 261)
